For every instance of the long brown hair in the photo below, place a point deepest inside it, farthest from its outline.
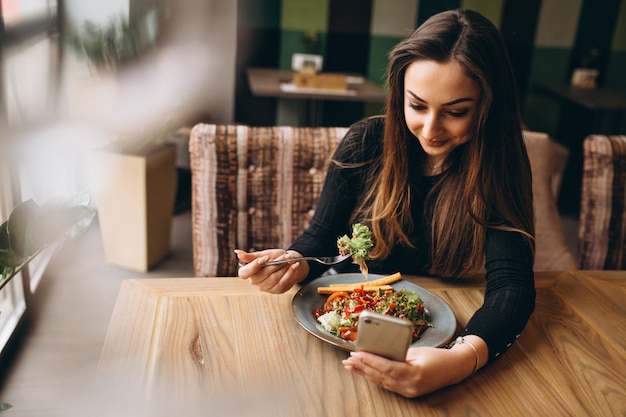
(488, 182)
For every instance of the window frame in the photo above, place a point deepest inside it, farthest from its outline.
(17, 294)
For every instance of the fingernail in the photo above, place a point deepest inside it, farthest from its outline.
(262, 259)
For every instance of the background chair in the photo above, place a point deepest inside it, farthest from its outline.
(602, 226)
(253, 188)
(257, 187)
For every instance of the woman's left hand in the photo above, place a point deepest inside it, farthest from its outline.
(425, 370)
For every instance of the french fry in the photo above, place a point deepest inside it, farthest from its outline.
(390, 279)
(352, 287)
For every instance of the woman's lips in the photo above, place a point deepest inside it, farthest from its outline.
(436, 143)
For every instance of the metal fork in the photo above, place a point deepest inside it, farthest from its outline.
(326, 260)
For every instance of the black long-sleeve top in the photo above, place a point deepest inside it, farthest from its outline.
(510, 292)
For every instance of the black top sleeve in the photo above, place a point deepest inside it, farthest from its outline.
(509, 293)
(343, 188)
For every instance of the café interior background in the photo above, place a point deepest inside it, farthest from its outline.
(199, 73)
(546, 39)
(54, 108)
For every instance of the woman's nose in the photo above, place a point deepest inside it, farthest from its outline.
(431, 126)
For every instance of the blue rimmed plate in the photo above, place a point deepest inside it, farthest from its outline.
(307, 300)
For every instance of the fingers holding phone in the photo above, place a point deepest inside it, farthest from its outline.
(384, 335)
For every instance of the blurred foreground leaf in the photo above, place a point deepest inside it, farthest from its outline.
(31, 228)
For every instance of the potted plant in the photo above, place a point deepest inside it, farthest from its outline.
(107, 47)
(135, 174)
(136, 193)
(311, 61)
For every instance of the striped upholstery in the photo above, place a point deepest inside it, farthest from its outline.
(257, 187)
(253, 188)
(602, 230)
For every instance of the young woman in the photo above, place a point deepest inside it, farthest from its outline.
(444, 183)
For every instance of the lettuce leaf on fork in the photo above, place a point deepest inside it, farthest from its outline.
(358, 246)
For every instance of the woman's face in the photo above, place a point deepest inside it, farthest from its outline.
(440, 103)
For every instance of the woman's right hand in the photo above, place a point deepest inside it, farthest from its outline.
(425, 370)
(275, 279)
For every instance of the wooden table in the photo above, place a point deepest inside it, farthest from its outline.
(271, 82)
(604, 107)
(218, 346)
(277, 83)
(582, 112)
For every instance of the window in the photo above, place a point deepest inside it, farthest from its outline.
(22, 16)
(28, 69)
(12, 301)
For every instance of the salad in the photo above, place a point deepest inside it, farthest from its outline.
(358, 246)
(340, 314)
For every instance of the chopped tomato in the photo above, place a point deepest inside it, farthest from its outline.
(348, 333)
(358, 309)
(334, 296)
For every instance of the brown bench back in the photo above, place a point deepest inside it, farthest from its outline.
(253, 188)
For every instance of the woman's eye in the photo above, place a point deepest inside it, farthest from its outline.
(417, 106)
(459, 113)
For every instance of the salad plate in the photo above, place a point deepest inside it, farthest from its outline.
(307, 300)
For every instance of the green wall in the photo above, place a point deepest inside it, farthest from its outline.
(562, 29)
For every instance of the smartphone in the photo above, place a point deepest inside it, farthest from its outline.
(384, 335)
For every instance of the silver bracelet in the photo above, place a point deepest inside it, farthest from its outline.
(460, 340)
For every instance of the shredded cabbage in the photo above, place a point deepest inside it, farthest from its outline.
(330, 321)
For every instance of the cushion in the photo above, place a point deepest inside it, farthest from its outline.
(547, 164)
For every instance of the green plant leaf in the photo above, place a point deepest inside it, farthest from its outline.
(18, 228)
(9, 259)
(31, 228)
(119, 41)
(5, 242)
(59, 218)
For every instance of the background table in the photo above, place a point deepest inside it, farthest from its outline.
(270, 82)
(606, 105)
(218, 346)
(267, 82)
(583, 112)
